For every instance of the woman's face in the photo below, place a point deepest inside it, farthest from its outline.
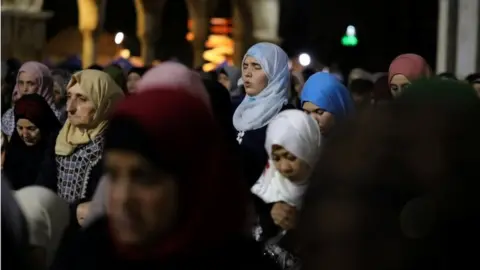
(325, 120)
(29, 133)
(291, 167)
(132, 80)
(398, 83)
(81, 110)
(253, 76)
(223, 79)
(142, 201)
(27, 84)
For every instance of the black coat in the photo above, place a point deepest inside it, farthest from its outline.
(94, 250)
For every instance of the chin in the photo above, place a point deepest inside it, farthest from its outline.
(252, 92)
(129, 238)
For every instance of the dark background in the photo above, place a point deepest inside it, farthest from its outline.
(385, 29)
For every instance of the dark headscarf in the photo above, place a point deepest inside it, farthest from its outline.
(164, 132)
(15, 237)
(96, 67)
(381, 89)
(473, 78)
(138, 70)
(448, 76)
(222, 107)
(23, 162)
(117, 74)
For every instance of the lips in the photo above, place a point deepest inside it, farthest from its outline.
(247, 84)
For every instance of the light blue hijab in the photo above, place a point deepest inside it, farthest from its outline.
(329, 94)
(256, 112)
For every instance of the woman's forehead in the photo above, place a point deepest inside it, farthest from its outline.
(250, 60)
(27, 76)
(77, 90)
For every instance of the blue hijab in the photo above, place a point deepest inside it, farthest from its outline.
(329, 94)
(256, 112)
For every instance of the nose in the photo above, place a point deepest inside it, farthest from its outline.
(285, 167)
(21, 88)
(122, 194)
(70, 108)
(24, 133)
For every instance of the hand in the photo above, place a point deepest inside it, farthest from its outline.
(284, 215)
(82, 212)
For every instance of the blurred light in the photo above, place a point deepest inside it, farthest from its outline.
(351, 31)
(125, 53)
(304, 59)
(190, 36)
(119, 38)
(349, 41)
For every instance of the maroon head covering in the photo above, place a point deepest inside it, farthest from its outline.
(34, 108)
(166, 126)
(410, 65)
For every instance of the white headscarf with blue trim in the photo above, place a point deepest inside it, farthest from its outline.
(256, 112)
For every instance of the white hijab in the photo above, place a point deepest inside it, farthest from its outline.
(299, 134)
(47, 216)
(256, 112)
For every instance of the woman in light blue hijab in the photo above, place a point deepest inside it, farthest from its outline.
(266, 79)
(327, 100)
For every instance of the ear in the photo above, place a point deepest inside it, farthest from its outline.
(418, 217)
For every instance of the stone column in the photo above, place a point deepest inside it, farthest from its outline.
(446, 35)
(266, 19)
(242, 29)
(200, 12)
(149, 26)
(91, 15)
(23, 33)
(468, 37)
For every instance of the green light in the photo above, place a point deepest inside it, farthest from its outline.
(349, 41)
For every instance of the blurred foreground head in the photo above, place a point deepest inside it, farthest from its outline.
(399, 188)
(160, 193)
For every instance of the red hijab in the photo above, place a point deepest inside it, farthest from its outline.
(180, 126)
(410, 65)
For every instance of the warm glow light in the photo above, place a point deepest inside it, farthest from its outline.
(119, 38)
(190, 36)
(125, 53)
(207, 67)
(304, 59)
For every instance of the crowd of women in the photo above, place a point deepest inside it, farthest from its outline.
(251, 168)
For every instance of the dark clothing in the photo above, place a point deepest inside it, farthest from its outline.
(252, 151)
(14, 232)
(95, 250)
(48, 177)
(23, 162)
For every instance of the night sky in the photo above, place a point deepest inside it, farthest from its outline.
(385, 28)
